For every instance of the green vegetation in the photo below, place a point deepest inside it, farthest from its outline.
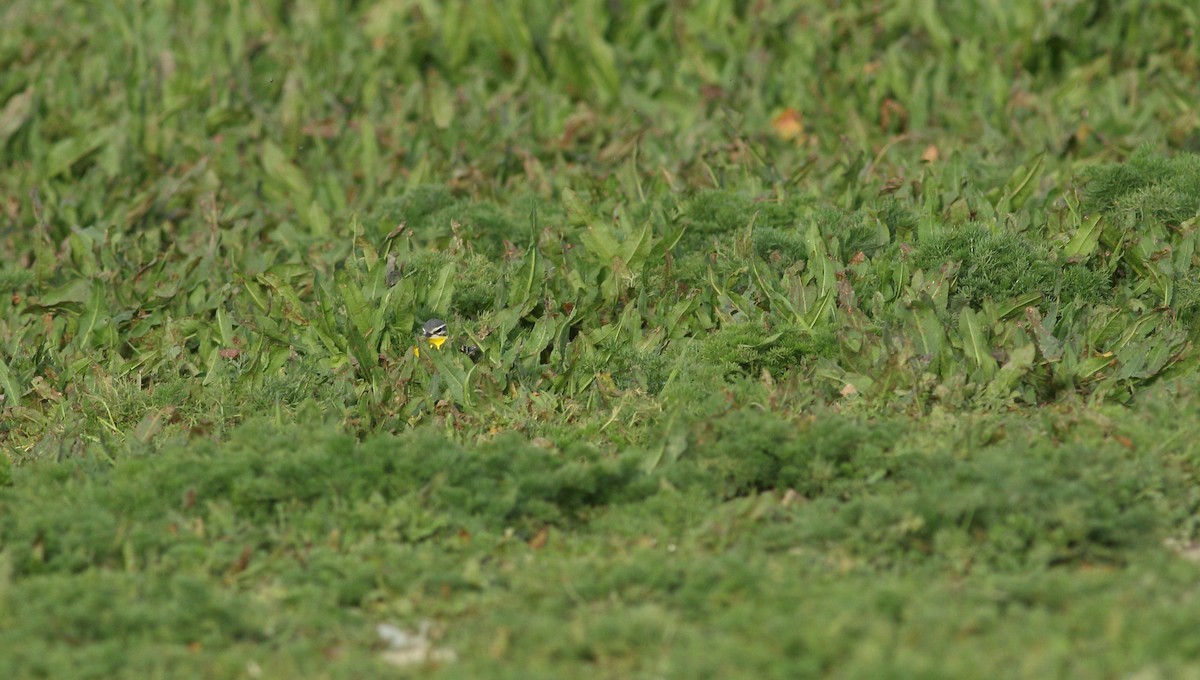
(785, 360)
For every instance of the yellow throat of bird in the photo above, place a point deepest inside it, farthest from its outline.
(435, 342)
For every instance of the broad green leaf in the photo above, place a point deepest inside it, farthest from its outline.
(369, 157)
(1148, 359)
(1085, 239)
(667, 243)
(12, 395)
(152, 423)
(1013, 307)
(934, 286)
(1183, 362)
(458, 31)
(819, 311)
(975, 345)
(603, 67)
(402, 298)
(257, 295)
(291, 270)
(441, 289)
(1137, 330)
(930, 16)
(364, 354)
(926, 330)
(281, 170)
(636, 249)
(1050, 346)
(417, 176)
(522, 289)
(450, 370)
(16, 111)
(727, 298)
(316, 218)
(441, 100)
(74, 291)
(213, 367)
(293, 310)
(95, 314)
(540, 337)
(355, 303)
(1020, 360)
(779, 301)
(324, 323)
(675, 322)
(578, 214)
(1088, 368)
(819, 261)
(225, 327)
(384, 315)
(600, 242)
(672, 447)
(66, 153)
(1021, 184)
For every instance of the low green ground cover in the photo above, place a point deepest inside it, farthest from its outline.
(860, 342)
(757, 545)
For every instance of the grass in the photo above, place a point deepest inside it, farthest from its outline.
(788, 361)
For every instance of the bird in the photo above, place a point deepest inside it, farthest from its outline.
(433, 332)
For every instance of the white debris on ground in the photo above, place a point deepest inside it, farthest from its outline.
(408, 648)
(1188, 550)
